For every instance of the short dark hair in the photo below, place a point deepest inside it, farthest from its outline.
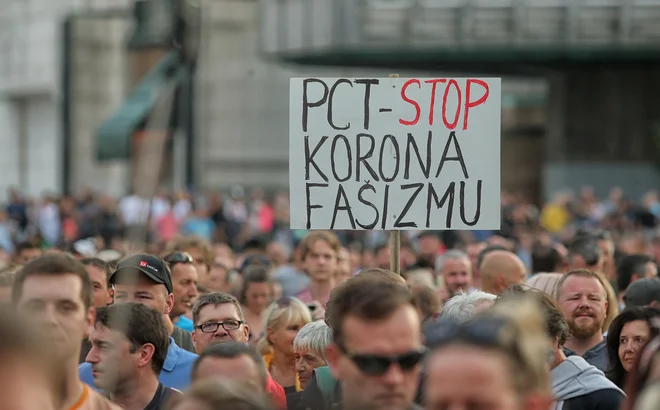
(555, 321)
(98, 263)
(232, 350)
(140, 325)
(487, 250)
(254, 274)
(545, 258)
(629, 266)
(215, 299)
(367, 298)
(53, 264)
(27, 245)
(586, 246)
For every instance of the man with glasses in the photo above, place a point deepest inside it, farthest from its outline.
(218, 318)
(377, 349)
(184, 283)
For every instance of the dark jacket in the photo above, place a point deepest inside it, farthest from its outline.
(596, 356)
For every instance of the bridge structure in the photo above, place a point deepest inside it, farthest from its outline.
(600, 60)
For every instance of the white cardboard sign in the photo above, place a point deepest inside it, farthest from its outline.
(395, 153)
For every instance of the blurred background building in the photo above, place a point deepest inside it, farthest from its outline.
(79, 78)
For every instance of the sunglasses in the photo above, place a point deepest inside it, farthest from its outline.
(378, 365)
(179, 257)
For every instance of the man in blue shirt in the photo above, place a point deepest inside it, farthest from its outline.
(146, 279)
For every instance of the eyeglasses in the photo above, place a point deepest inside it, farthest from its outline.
(179, 257)
(377, 365)
(213, 327)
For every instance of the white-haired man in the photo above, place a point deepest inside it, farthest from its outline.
(456, 270)
(464, 306)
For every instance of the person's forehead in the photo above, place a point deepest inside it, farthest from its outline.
(183, 269)
(96, 274)
(52, 287)
(395, 334)
(101, 333)
(487, 362)
(458, 263)
(218, 312)
(577, 282)
(320, 246)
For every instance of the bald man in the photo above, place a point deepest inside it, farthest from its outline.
(501, 269)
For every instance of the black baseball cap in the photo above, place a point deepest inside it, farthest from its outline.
(642, 292)
(152, 266)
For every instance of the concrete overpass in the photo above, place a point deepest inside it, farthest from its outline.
(599, 57)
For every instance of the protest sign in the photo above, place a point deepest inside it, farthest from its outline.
(395, 153)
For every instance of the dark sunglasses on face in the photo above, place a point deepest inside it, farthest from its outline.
(377, 365)
(179, 257)
(228, 325)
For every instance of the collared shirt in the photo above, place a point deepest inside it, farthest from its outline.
(184, 323)
(176, 370)
(596, 356)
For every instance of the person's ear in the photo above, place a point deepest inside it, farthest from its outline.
(111, 296)
(146, 353)
(332, 355)
(169, 303)
(246, 332)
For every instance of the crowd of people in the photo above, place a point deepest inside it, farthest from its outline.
(559, 310)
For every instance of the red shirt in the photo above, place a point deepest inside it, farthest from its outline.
(276, 393)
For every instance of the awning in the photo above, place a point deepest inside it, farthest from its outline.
(113, 136)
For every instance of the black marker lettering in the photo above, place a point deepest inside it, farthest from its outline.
(462, 204)
(309, 158)
(349, 172)
(411, 200)
(458, 157)
(368, 187)
(449, 195)
(341, 195)
(426, 168)
(330, 110)
(306, 105)
(386, 201)
(309, 205)
(362, 159)
(367, 96)
(381, 161)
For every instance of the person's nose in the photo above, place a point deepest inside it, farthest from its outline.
(92, 357)
(192, 291)
(221, 332)
(393, 376)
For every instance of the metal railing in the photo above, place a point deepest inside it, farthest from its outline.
(314, 25)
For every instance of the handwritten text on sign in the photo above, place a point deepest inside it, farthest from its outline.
(394, 153)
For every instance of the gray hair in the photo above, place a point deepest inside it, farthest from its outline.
(452, 254)
(314, 337)
(215, 299)
(461, 308)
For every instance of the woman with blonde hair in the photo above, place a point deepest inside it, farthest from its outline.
(283, 320)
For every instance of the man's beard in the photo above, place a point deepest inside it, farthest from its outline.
(585, 330)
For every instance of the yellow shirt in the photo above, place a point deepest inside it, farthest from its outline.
(268, 358)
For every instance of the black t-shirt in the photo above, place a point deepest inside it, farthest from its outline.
(161, 398)
(598, 400)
